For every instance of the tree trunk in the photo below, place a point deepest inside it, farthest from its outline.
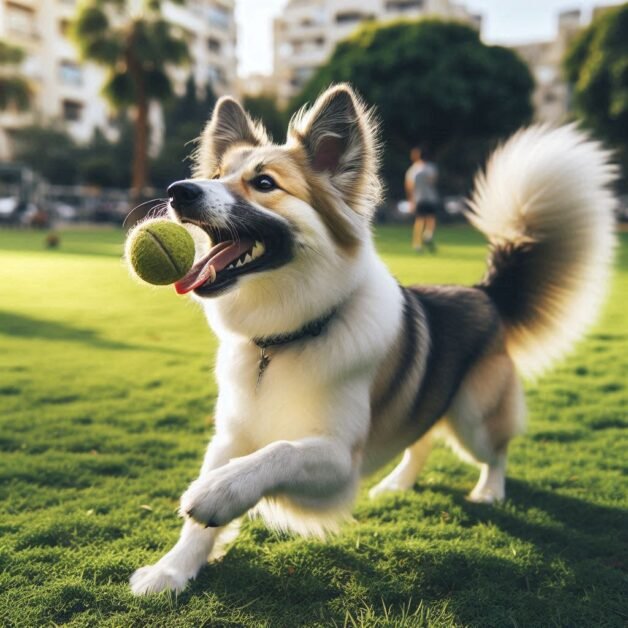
(140, 146)
(140, 132)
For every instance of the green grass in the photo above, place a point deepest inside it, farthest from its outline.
(106, 397)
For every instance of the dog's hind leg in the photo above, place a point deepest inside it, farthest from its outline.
(196, 543)
(488, 410)
(405, 473)
(491, 485)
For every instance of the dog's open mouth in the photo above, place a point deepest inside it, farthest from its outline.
(225, 259)
(231, 256)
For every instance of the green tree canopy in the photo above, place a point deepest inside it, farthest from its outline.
(14, 90)
(264, 107)
(597, 66)
(50, 151)
(54, 154)
(184, 119)
(433, 82)
(137, 46)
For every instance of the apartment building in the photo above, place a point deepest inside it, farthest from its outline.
(307, 32)
(67, 91)
(551, 97)
(209, 28)
(552, 94)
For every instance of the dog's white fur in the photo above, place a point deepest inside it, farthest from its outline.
(293, 449)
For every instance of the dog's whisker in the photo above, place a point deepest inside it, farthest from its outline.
(134, 209)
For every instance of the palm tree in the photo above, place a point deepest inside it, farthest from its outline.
(137, 46)
(14, 90)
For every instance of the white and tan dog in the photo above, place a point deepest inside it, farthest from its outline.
(327, 367)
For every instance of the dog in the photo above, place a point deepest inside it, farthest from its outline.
(327, 368)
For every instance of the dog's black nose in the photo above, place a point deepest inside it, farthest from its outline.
(184, 196)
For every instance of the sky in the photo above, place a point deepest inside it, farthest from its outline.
(505, 22)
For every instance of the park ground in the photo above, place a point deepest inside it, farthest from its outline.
(106, 398)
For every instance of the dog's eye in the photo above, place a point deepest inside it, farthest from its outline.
(264, 183)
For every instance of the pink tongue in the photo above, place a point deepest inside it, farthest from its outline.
(216, 260)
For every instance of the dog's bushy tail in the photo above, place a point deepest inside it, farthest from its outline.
(545, 206)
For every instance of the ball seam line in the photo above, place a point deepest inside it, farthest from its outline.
(164, 250)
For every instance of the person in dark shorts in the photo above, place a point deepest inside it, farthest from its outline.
(420, 184)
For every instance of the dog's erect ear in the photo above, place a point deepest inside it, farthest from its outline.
(229, 125)
(340, 139)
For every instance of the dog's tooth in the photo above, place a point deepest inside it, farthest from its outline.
(239, 263)
(258, 250)
(248, 258)
(212, 274)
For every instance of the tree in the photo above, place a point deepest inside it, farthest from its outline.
(137, 47)
(264, 108)
(596, 64)
(50, 151)
(14, 90)
(104, 163)
(184, 119)
(433, 82)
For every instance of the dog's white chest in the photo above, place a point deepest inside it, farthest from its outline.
(276, 399)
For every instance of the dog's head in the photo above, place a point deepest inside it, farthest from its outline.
(287, 224)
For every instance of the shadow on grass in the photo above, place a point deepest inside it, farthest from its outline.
(13, 324)
(579, 548)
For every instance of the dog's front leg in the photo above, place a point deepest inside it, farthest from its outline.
(316, 468)
(185, 559)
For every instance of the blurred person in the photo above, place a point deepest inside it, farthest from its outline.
(420, 184)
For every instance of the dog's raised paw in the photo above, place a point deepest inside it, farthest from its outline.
(220, 496)
(157, 578)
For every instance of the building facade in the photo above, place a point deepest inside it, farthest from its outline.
(68, 92)
(307, 32)
(551, 97)
(552, 93)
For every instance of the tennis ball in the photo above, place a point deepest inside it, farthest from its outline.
(160, 251)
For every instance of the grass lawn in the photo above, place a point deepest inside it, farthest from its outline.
(106, 397)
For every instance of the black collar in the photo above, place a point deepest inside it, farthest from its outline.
(311, 329)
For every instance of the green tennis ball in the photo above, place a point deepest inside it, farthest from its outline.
(160, 251)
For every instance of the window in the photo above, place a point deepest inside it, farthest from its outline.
(545, 74)
(301, 76)
(285, 49)
(219, 17)
(70, 73)
(214, 45)
(64, 26)
(216, 74)
(20, 20)
(550, 97)
(348, 17)
(72, 110)
(404, 5)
